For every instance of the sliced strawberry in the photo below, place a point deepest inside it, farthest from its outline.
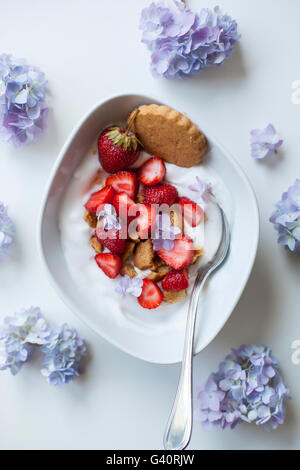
(151, 296)
(146, 220)
(160, 194)
(110, 264)
(152, 172)
(114, 240)
(181, 255)
(124, 182)
(104, 196)
(191, 212)
(123, 203)
(176, 280)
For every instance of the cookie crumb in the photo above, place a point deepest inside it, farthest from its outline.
(174, 296)
(197, 255)
(96, 244)
(158, 275)
(90, 219)
(144, 255)
(128, 270)
(129, 249)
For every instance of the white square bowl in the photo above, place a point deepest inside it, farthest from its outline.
(223, 291)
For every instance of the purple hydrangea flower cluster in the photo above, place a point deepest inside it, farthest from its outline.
(28, 329)
(63, 353)
(18, 335)
(165, 233)
(264, 141)
(183, 43)
(7, 231)
(286, 218)
(247, 388)
(23, 111)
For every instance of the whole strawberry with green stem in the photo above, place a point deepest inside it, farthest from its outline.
(118, 148)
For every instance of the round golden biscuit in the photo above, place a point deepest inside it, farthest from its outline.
(169, 134)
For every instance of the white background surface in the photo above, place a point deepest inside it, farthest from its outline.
(89, 50)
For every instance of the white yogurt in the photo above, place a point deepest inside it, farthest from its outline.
(75, 239)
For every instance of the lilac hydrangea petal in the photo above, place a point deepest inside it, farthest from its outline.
(108, 216)
(130, 286)
(203, 190)
(165, 233)
(286, 218)
(264, 141)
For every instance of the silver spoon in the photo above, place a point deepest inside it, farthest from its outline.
(179, 428)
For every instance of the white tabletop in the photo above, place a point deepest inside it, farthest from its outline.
(90, 50)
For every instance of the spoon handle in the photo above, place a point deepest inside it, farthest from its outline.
(179, 427)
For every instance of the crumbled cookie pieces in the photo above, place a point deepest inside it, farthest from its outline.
(130, 246)
(159, 274)
(128, 269)
(144, 255)
(90, 219)
(98, 247)
(197, 255)
(174, 296)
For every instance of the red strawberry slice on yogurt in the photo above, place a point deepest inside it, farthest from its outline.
(192, 213)
(151, 296)
(152, 171)
(110, 264)
(104, 196)
(124, 182)
(181, 255)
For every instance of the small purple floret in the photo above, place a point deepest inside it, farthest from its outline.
(286, 218)
(130, 286)
(108, 216)
(264, 141)
(165, 233)
(202, 189)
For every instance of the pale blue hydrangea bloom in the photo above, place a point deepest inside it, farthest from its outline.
(63, 353)
(7, 232)
(18, 335)
(264, 141)
(248, 388)
(23, 110)
(183, 43)
(129, 286)
(286, 218)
